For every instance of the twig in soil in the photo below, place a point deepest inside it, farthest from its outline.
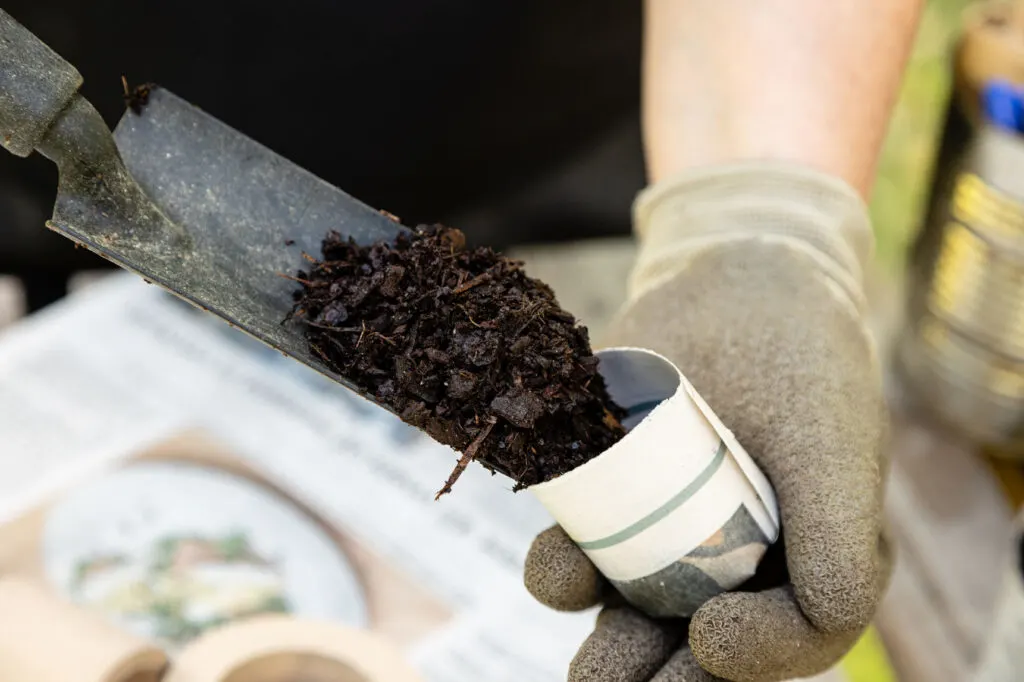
(305, 282)
(611, 422)
(468, 456)
(323, 355)
(466, 286)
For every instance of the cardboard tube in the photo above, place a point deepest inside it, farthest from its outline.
(674, 513)
(284, 649)
(46, 639)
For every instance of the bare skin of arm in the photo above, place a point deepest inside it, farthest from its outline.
(808, 81)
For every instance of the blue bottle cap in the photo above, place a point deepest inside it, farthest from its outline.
(1003, 105)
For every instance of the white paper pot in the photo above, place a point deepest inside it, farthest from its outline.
(674, 513)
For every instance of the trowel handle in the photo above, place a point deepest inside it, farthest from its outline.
(35, 87)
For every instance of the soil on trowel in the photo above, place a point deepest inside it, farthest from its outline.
(460, 343)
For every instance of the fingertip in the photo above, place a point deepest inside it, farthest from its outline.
(763, 635)
(626, 646)
(848, 598)
(559, 575)
(718, 633)
(834, 552)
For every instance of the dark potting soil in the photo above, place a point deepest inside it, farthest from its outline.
(462, 344)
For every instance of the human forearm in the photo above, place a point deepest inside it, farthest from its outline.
(793, 80)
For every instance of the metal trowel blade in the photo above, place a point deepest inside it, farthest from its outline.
(248, 213)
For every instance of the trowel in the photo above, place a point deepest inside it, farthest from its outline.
(176, 196)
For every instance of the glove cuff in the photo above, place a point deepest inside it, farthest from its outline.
(806, 210)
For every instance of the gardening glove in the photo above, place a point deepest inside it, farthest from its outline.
(749, 278)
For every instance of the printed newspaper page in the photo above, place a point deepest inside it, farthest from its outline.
(122, 369)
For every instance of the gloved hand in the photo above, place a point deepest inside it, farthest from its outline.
(749, 279)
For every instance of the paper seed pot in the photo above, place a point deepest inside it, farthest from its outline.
(674, 513)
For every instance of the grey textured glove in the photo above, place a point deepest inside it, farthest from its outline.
(749, 278)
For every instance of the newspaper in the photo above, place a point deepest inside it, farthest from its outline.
(91, 382)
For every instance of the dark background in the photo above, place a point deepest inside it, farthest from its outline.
(516, 121)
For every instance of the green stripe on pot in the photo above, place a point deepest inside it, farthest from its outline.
(664, 510)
